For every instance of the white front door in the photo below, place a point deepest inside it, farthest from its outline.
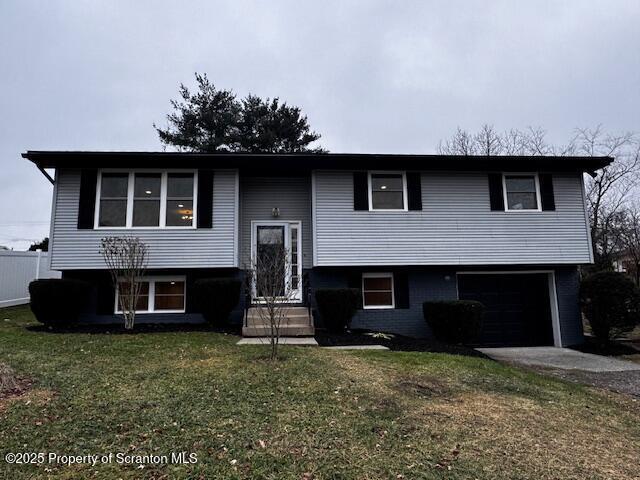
(264, 236)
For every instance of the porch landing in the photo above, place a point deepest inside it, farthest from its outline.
(297, 323)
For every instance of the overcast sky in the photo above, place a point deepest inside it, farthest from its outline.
(372, 76)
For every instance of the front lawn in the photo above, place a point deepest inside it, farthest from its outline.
(316, 414)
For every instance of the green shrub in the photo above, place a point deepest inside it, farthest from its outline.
(337, 306)
(611, 303)
(59, 301)
(215, 298)
(457, 321)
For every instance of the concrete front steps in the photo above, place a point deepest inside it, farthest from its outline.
(297, 323)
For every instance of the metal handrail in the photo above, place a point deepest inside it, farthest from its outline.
(307, 290)
(247, 306)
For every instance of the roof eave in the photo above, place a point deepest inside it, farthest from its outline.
(309, 161)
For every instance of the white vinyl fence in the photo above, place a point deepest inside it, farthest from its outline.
(17, 270)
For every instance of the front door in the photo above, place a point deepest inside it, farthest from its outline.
(269, 238)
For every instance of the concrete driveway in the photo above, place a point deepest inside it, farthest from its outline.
(564, 358)
(596, 370)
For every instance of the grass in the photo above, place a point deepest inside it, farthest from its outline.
(315, 414)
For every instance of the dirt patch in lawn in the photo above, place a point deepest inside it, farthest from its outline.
(11, 384)
(36, 398)
(424, 388)
(19, 388)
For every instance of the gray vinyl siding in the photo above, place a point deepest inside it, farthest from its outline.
(425, 284)
(73, 249)
(438, 284)
(455, 227)
(258, 197)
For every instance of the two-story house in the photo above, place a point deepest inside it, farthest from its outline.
(507, 231)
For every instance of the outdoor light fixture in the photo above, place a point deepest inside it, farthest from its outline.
(383, 187)
(148, 192)
(275, 212)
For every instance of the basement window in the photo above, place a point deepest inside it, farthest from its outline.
(377, 290)
(157, 295)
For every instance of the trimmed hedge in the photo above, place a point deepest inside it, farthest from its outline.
(59, 301)
(456, 321)
(215, 298)
(337, 306)
(611, 303)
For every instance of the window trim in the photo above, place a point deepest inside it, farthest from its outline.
(164, 174)
(393, 293)
(405, 202)
(152, 294)
(504, 192)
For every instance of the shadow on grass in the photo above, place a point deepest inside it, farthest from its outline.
(142, 328)
(394, 342)
(608, 349)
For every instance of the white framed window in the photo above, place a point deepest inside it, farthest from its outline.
(387, 191)
(146, 199)
(521, 192)
(377, 290)
(157, 295)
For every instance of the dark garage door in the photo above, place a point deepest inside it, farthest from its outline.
(517, 307)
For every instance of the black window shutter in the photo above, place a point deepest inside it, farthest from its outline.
(401, 289)
(360, 191)
(414, 190)
(87, 200)
(205, 199)
(496, 197)
(354, 280)
(105, 294)
(546, 191)
(190, 302)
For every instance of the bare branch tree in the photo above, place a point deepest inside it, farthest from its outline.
(461, 143)
(607, 192)
(630, 234)
(270, 282)
(535, 141)
(514, 142)
(126, 259)
(487, 141)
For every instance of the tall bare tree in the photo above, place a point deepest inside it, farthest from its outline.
(270, 283)
(126, 259)
(487, 141)
(630, 235)
(461, 143)
(609, 190)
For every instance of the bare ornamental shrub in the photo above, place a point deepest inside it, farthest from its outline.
(269, 282)
(126, 259)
